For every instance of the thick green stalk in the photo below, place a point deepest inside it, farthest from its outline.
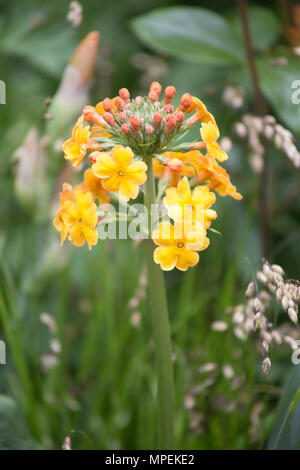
(161, 330)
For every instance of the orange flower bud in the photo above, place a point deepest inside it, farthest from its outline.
(149, 129)
(170, 92)
(153, 95)
(175, 165)
(170, 123)
(124, 94)
(119, 103)
(179, 117)
(125, 129)
(157, 118)
(109, 119)
(90, 114)
(107, 105)
(169, 108)
(185, 102)
(155, 86)
(138, 99)
(135, 123)
(122, 116)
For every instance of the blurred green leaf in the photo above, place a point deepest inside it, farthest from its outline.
(276, 82)
(191, 33)
(264, 27)
(286, 432)
(14, 434)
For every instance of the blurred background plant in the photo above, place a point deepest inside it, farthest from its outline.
(80, 365)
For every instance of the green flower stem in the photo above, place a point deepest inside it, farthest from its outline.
(161, 329)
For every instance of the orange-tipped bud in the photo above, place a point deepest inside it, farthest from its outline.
(175, 165)
(122, 116)
(157, 119)
(185, 102)
(109, 119)
(119, 104)
(90, 114)
(125, 129)
(170, 92)
(93, 157)
(149, 129)
(107, 105)
(153, 95)
(170, 123)
(169, 108)
(179, 117)
(124, 94)
(135, 123)
(155, 86)
(198, 145)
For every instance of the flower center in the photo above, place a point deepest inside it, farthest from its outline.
(180, 245)
(121, 173)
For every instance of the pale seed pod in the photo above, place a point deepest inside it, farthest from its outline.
(278, 269)
(285, 303)
(293, 315)
(266, 366)
(250, 290)
(265, 348)
(257, 321)
(257, 304)
(276, 338)
(271, 287)
(262, 277)
(279, 294)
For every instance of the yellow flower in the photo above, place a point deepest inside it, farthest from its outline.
(119, 172)
(94, 185)
(77, 218)
(178, 245)
(210, 133)
(201, 113)
(67, 194)
(181, 203)
(217, 177)
(75, 148)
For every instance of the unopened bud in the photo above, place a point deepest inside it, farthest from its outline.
(119, 103)
(179, 117)
(125, 129)
(175, 165)
(157, 119)
(93, 157)
(90, 114)
(135, 123)
(169, 108)
(279, 294)
(107, 105)
(265, 348)
(138, 100)
(185, 102)
(170, 92)
(122, 116)
(170, 123)
(149, 129)
(257, 321)
(155, 86)
(153, 96)
(124, 94)
(266, 366)
(109, 119)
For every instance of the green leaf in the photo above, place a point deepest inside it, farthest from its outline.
(264, 27)
(277, 84)
(14, 434)
(286, 431)
(191, 33)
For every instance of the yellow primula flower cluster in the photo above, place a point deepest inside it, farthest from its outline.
(121, 137)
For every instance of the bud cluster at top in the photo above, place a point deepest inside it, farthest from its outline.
(145, 124)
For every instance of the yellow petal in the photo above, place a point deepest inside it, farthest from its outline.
(137, 172)
(128, 190)
(187, 259)
(105, 165)
(166, 256)
(123, 156)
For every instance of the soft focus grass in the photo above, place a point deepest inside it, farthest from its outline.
(103, 386)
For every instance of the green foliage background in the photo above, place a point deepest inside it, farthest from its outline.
(104, 383)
